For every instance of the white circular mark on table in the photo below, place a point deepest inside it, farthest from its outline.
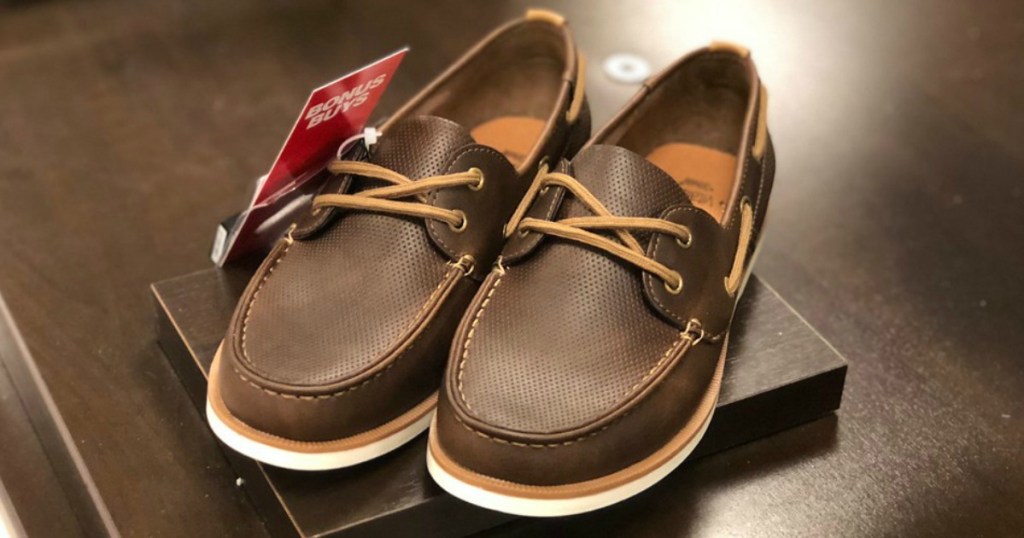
(626, 68)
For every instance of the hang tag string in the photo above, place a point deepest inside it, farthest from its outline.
(369, 137)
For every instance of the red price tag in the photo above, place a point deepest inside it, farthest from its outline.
(333, 113)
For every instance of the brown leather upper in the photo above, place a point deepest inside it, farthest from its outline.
(347, 323)
(571, 364)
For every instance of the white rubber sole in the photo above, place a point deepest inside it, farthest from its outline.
(312, 460)
(556, 507)
(523, 506)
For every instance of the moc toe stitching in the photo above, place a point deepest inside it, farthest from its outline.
(602, 421)
(404, 345)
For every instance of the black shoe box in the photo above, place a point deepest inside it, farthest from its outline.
(779, 373)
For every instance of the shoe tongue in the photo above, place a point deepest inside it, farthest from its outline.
(419, 146)
(625, 182)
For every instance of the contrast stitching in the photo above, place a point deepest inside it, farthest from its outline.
(362, 383)
(535, 445)
(432, 198)
(682, 336)
(675, 345)
(648, 279)
(252, 301)
(437, 235)
(469, 337)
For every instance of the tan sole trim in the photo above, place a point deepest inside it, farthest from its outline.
(383, 431)
(597, 485)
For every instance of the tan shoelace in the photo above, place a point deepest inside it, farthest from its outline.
(387, 199)
(578, 228)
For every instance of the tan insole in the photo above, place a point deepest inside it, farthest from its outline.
(705, 174)
(514, 136)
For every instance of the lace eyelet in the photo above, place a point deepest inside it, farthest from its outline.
(479, 184)
(462, 225)
(674, 289)
(687, 243)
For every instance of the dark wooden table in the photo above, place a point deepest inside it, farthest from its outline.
(128, 130)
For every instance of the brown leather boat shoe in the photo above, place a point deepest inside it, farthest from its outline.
(337, 347)
(589, 363)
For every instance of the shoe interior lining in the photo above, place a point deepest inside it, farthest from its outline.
(706, 174)
(514, 136)
(507, 92)
(691, 126)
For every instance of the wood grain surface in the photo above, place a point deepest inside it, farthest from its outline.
(129, 129)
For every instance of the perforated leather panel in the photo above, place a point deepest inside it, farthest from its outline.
(567, 334)
(420, 146)
(335, 304)
(626, 183)
(545, 366)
